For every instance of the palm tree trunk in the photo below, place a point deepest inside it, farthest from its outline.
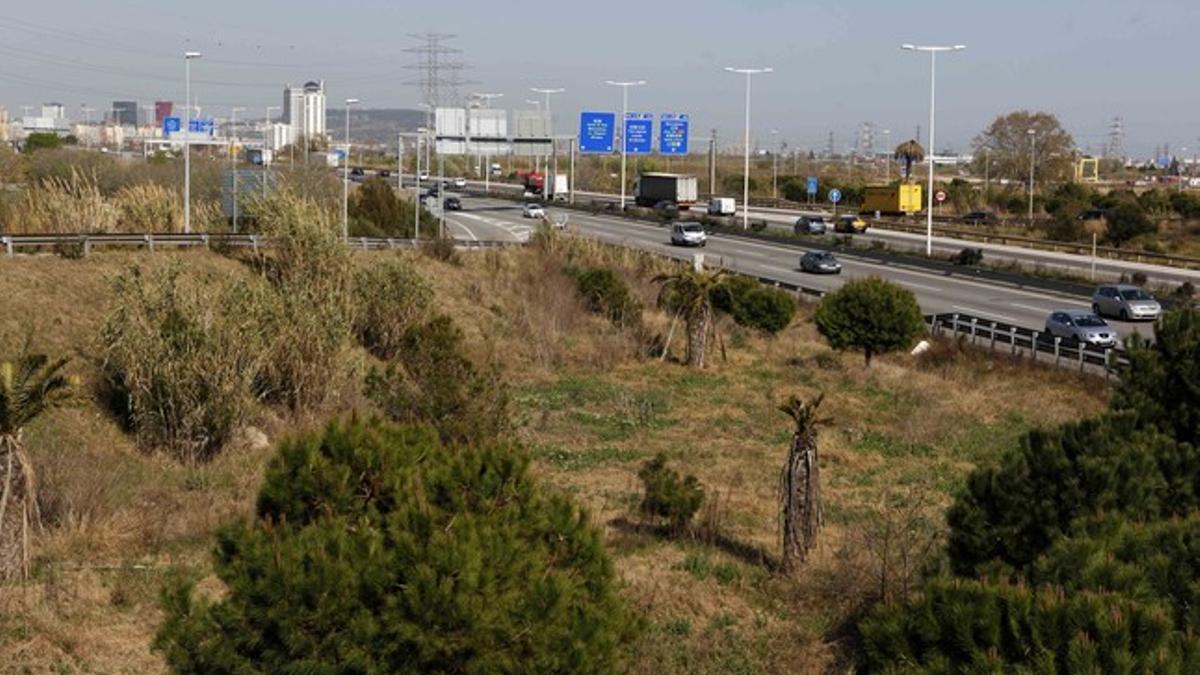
(800, 492)
(697, 327)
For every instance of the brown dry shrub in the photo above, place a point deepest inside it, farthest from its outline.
(149, 207)
(63, 205)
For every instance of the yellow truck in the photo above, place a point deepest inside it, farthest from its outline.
(892, 199)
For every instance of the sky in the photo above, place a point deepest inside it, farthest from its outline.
(836, 64)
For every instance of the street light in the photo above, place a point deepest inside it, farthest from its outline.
(933, 52)
(1032, 159)
(346, 175)
(624, 111)
(233, 161)
(187, 137)
(550, 121)
(487, 157)
(887, 149)
(774, 166)
(749, 73)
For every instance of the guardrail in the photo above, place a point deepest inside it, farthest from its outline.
(152, 241)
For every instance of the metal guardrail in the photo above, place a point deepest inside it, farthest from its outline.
(1041, 347)
(152, 241)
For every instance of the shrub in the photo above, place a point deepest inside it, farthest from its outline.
(148, 207)
(64, 205)
(754, 305)
(432, 382)
(961, 626)
(1014, 512)
(311, 315)
(606, 293)
(1161, 387)
(1126, 221)
(392, 297)
(443, 249)
(376, 210)
(375, 549)
(180, 357)
(42, 141)
(874, 315)
(968, 257)
(669, 496)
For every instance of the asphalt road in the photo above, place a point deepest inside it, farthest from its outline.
(936, 292)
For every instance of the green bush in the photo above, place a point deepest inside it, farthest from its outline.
(872, 314)
(959, 626)
(391, 297)
(376, 210)
(669, 496)
(181, 357)
(432, 382)
(374, 549)
(42, 141)
(754, 305)
(1126, 221)
(1186, 204)
(606, 293)
(1161, 387)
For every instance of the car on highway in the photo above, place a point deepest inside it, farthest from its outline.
(533, 211)
(383, 173)
(979, 218)
(452, 204)
(1079, 326)
(358, 175)
(811, 225)
(850, 225)
(460, 183)
(424, 175)
(820, 262)
(688, 234)
(1126, 302)
(1091, 214)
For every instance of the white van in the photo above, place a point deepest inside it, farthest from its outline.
(722, 206)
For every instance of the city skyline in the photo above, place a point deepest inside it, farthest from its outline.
(845, 71)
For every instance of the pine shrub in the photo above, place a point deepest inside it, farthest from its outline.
(754, 305)
(391, 297)
(669, 496)
(606, 293)
(872, 314)
(375, 549)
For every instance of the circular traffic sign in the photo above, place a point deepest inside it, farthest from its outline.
(940, 196)
(835, 195)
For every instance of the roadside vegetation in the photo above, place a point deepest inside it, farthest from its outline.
(735, 537)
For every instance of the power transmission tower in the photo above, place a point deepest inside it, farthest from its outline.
(1115, 149)
(439, 72)
(866, 139)
(830, 147)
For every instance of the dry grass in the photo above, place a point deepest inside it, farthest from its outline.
(591, 411)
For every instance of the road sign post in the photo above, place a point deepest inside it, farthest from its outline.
(835, 196)
(940, 197)
(811, 188)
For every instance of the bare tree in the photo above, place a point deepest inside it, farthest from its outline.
(800, 484)
(28, 387)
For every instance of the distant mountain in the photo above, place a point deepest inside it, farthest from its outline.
(378, 125)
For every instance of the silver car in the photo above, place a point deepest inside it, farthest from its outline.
(1130, 303)
(820, 262)
(810, 225)
(1079, 326)
(688, 234)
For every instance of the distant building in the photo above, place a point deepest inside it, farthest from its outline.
(54, 111)
(5, 135)
(280, 135)
(162, 110)
(125, 113)
(304, 110)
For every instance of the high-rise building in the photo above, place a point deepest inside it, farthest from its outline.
(125, 113)
(304, 109)
(54, 111)
(162, 110)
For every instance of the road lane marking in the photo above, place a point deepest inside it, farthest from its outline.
(1031, 308)
(923, 287)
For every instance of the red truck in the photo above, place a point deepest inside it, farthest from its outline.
(532, 181)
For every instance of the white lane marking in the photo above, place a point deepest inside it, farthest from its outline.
(981, 312)
(923, 287)
(464, 228)
(1030, 307)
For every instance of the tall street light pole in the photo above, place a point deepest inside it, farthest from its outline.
(774, 166)
(233, 161)
(887, 159)
(187, 135)
(1032, 162)
(263, 155)
(749, 73)
(933, 52)
(346, 175)
(624, 111)
(550, 130)
(487, 156)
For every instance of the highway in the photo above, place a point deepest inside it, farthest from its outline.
(935, 291)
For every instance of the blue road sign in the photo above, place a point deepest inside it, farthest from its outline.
(835, 195)
(672, 134)
(596, 131)
(639, 133)
(170, 125)
(812, 185)
(201, 125)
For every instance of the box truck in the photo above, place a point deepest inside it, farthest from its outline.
(722, 206)
(901, 199)
(678, 189)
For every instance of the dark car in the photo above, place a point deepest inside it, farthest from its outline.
(979, 218)
(1091, 214)
(357, 174)
(810, 225)
(820, 262)
(384, 173)
(452, 204)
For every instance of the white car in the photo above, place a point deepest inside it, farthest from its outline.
(423, 176)
(533, 211)
(688, 234)
(460, 183)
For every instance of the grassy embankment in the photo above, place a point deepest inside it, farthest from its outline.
(901, 437)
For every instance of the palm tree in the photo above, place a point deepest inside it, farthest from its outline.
(689, 294)
(800, 484)
(28, 387)
(909, 152)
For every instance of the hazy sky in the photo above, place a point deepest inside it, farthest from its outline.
(837, 64)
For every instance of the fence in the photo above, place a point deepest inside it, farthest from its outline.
(151, 241)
